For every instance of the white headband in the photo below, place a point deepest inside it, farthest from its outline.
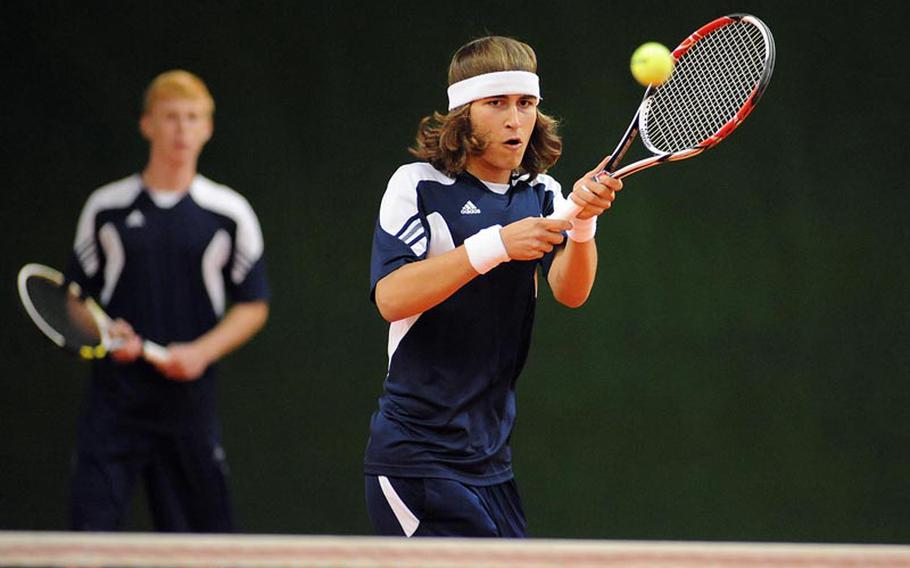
(494, 84)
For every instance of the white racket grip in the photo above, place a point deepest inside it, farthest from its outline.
(566, 211)
(154, 353)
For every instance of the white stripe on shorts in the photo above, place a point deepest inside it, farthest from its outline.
(406, 518)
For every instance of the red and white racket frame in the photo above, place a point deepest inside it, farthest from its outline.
(569, 208)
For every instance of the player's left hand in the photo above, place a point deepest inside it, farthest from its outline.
(186, 363)
(595, 196)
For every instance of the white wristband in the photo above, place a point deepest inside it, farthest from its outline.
(583, 231)
(485, 249)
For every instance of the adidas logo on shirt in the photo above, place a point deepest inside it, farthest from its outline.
(470, 209)
(135, 219)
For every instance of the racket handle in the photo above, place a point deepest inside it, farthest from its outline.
(569, 209)
(154, 353)
(566, 211)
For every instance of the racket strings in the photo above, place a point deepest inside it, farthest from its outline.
(746, 71)
(710, 90)
(733, 63)
(63, 313)
(710, 84)
(713, 93)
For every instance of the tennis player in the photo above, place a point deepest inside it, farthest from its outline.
(178, 259)
(459, 242)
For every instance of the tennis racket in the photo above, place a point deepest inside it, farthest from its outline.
(721, 72)
(72, 322)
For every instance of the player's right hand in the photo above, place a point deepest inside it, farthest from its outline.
(532, 237)
(129, 344)
(595, 197)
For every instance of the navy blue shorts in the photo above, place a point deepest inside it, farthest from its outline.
(185, 478)
(412, 506)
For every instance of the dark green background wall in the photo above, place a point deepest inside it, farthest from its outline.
(739, 373)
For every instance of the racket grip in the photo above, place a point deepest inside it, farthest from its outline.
(569, 209)
(566, 211)
(154, 353)
(604, 173)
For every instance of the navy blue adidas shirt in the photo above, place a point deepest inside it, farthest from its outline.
(170, 270)
(448, 404)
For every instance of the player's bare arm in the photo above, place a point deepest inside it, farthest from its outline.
(419, 286)
(573, 271)
(188, 361)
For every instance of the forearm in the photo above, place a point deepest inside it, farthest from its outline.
(239, 325)
(572, 273)
(418, 286)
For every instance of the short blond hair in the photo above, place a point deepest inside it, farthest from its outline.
(177, 84)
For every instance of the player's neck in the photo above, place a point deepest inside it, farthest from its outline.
(487, 174)
(168, 176)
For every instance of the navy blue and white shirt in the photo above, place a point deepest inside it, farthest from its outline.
(169, 264)
(448, 404)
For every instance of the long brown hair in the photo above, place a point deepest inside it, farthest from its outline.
(446, 140)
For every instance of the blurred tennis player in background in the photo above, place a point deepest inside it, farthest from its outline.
(458, 245)
(177, 259)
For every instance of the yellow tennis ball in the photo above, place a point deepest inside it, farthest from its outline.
(652, 63)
